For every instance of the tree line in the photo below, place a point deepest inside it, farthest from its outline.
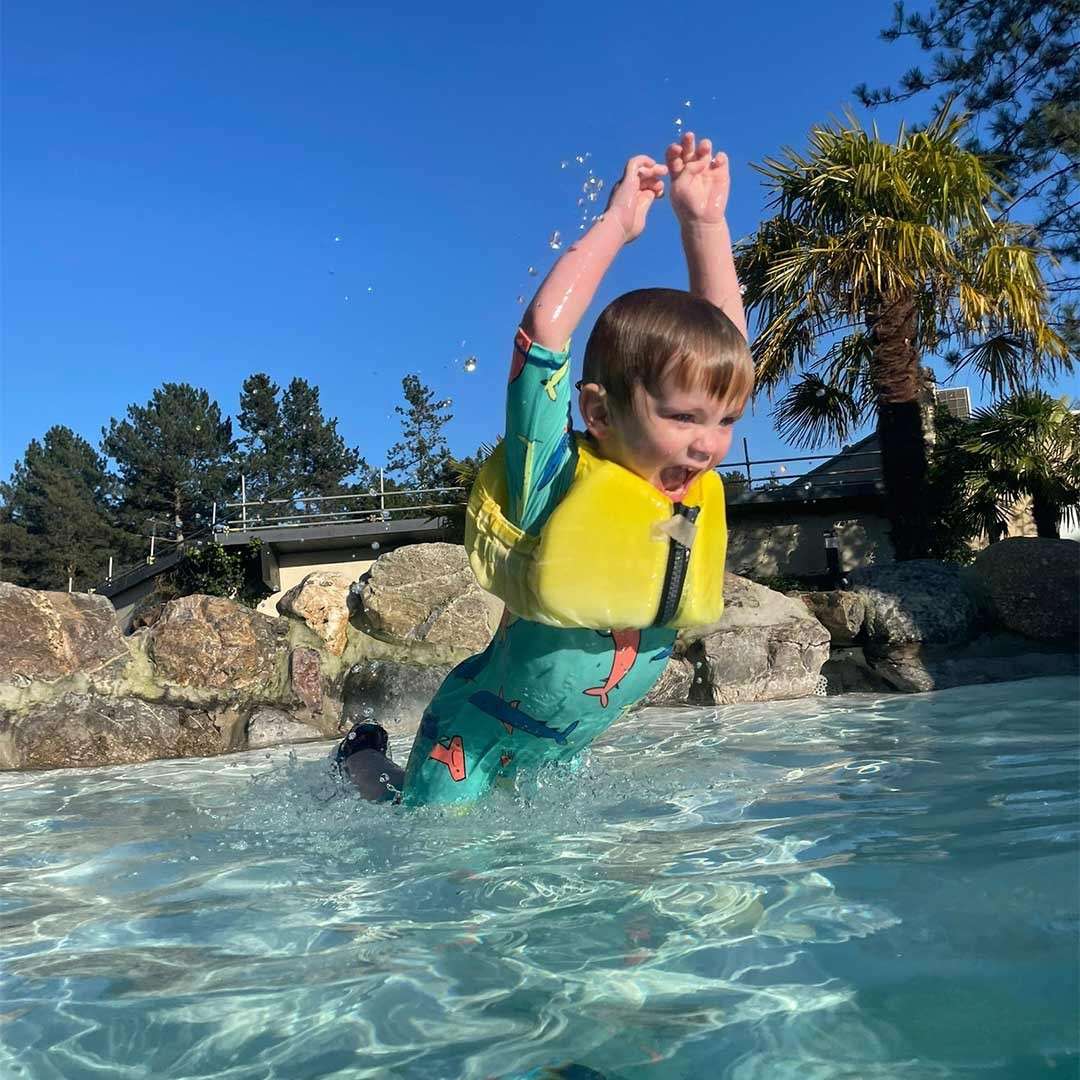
(69, 506)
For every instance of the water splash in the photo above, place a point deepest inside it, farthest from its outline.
(555, 242)
(469, 364)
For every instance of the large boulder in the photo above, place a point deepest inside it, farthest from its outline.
(391, 693)
(221, 647)
(321, 601)
(45, 636)
(767, 646)
(841, 613)
(79, 730)
(1034, 586)
(674, 685)
(272, 727)
(916, 601)
(427, 592)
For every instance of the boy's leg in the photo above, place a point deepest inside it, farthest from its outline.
(376, 777)
(363, 757)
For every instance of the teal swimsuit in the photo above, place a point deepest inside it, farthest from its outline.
(537, 693)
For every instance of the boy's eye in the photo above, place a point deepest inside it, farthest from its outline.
(728, 421)
(683, 418)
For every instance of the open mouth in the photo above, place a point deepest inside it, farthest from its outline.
(675, 479)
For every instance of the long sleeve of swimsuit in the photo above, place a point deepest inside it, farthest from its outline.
(540, 458)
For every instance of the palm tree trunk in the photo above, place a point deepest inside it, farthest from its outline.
(1047, 515)
(897, 387)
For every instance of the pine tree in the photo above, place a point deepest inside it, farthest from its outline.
(317, 460)
(288, 448)
(262, 450)
(55, 522)
(421, 456)
(174, 457)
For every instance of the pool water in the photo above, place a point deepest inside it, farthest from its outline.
(852, 887)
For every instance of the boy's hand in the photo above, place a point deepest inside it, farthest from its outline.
(633, 195)
(699, 182)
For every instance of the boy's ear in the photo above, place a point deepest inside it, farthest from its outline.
(593, 403)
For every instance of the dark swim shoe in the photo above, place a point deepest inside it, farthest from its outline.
(363, 736)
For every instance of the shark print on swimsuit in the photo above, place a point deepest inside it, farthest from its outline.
(512, 718)
(626, 652)
(452, 755)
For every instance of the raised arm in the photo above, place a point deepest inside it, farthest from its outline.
(567, 291)
(699, 194)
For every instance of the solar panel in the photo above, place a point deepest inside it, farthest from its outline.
(957, 401)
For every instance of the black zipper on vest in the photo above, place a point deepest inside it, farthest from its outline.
(675, 575)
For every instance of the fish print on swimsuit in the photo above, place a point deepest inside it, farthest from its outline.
(626, 652)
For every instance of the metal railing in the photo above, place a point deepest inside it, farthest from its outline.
(255, 516)
(813, 482)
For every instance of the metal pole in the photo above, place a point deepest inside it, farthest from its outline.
(243, 500)
(213, 515)
(109, 578)
(746, 456)
(153, 537)
(382, 494)
(71, 582)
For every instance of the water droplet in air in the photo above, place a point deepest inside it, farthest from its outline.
(532, 273)
(556, 240)
(579, 159)
(374, 545)
(819, 392)
(592, 196)
(678, 121)
(470, 363)
(698, 679)
(521, 299)
(563, 164)
(337, 239)
(688, 104)
(581, 201)
(581, 227)
(371, 288)
(346, 298)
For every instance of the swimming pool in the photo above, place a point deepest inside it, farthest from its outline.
(855, 887)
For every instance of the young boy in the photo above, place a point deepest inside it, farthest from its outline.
(602, 545)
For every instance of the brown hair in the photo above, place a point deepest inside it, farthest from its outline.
(643, 335)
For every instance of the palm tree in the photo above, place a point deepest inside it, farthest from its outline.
(877, 254)
(1026, 445)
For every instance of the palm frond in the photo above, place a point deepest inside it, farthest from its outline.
(814, 412)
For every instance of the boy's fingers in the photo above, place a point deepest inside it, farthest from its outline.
(704, 149)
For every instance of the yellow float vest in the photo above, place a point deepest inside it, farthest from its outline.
(614, 554)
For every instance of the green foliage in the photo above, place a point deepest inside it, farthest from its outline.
(421, 456)
(218, 571)
(1016, 67)
(734, 481)
(862, 224)
(174, 457)
(288, 448)
(1027, 445)
(56, 519)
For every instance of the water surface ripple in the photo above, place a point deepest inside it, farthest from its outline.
(857, 887)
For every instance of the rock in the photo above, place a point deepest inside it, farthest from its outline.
(915, 668)
(427, 592)
(219, 645)
(920, 600)
(272, 727)
(305, 674)
(767, 646)
(321, 601)
(841, 613)
(847, 671)
(81, 730)
(1034, 586)
(673, 686)
(50, 635)
(395, 695)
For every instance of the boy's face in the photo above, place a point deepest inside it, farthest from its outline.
(669, 438)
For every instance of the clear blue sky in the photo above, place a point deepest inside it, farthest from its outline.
(175, 175)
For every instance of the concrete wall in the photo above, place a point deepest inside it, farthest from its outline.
(294, 566)
(787, 543)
